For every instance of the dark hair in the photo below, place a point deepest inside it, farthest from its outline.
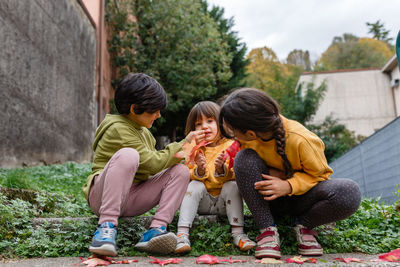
(251, 109)
(206, 108)
(142, 90)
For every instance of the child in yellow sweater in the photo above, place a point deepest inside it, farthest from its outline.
(212, 189)
(281, 170)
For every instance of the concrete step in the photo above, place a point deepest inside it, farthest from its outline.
(144, 221)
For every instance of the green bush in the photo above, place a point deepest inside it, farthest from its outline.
(374, 228)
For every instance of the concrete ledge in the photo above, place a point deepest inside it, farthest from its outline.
(142, 220)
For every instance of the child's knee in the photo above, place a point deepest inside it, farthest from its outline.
(244, 160)
(345, 194)
(182, 172)
(127, 158)
(230, 188)
(196, 188)
(244, 155)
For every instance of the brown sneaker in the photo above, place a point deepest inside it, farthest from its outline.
(268, 244)
(308, 245)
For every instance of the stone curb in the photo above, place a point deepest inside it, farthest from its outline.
(142, 220)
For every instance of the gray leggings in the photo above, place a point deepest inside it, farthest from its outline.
(328, 201)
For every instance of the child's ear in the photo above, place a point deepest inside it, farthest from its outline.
(132, 109)
(251, 134)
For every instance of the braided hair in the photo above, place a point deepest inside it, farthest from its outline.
(252, 109)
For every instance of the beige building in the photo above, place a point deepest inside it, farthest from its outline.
(364, 100)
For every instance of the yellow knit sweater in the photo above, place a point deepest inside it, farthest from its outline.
(213, 184)
(305, 151)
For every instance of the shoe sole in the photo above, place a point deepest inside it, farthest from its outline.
(311, 252)
(246, 248)
(183, 250)
(163, 244)
(268, 254)
(104, 250)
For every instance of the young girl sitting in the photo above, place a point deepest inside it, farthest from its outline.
(212, 189)
(281, 169)
(129, 176)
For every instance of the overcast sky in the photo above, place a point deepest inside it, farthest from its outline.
(285, 25)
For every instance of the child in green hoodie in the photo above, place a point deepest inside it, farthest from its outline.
(129, 176)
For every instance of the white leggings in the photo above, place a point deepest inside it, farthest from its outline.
(198, 200)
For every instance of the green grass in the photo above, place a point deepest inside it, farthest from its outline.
(59, 188)
(67, 178)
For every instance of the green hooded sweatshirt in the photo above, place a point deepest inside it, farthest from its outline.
(116, 132)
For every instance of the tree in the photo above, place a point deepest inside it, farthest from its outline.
(299, 58)
(237, 49)
(263, 67)
(301, 105)
(350, 52)
(175, 42)
(280, 82)
(379, 32)
(336, 137)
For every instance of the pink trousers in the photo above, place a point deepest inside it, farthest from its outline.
(113, 193)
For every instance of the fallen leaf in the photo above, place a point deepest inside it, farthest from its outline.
(347, 260)
(392, 256)
(300, 260)
(165, 262)
(296, 259)
(269, 260)
(96, 262)
(209, 259)
(123, 261)
(230, 260)
(311, 260)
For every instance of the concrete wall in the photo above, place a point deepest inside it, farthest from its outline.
(47, 82)
(362, 100)
(374, 164)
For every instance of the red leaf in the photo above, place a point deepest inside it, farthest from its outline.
(165, 262)
(190, 151)
(312, 260)
(123, 261)
(95, 262)
(98, 260)
(292, 260)
(231, 152)
(208, 259)
(392, 256)
(347, 260)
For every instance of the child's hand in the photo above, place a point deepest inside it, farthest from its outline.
(200, 160)
(198, 136)
(219, 163)
(272, 187)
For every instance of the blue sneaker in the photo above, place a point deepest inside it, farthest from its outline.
(103, 242)
(157, 240)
